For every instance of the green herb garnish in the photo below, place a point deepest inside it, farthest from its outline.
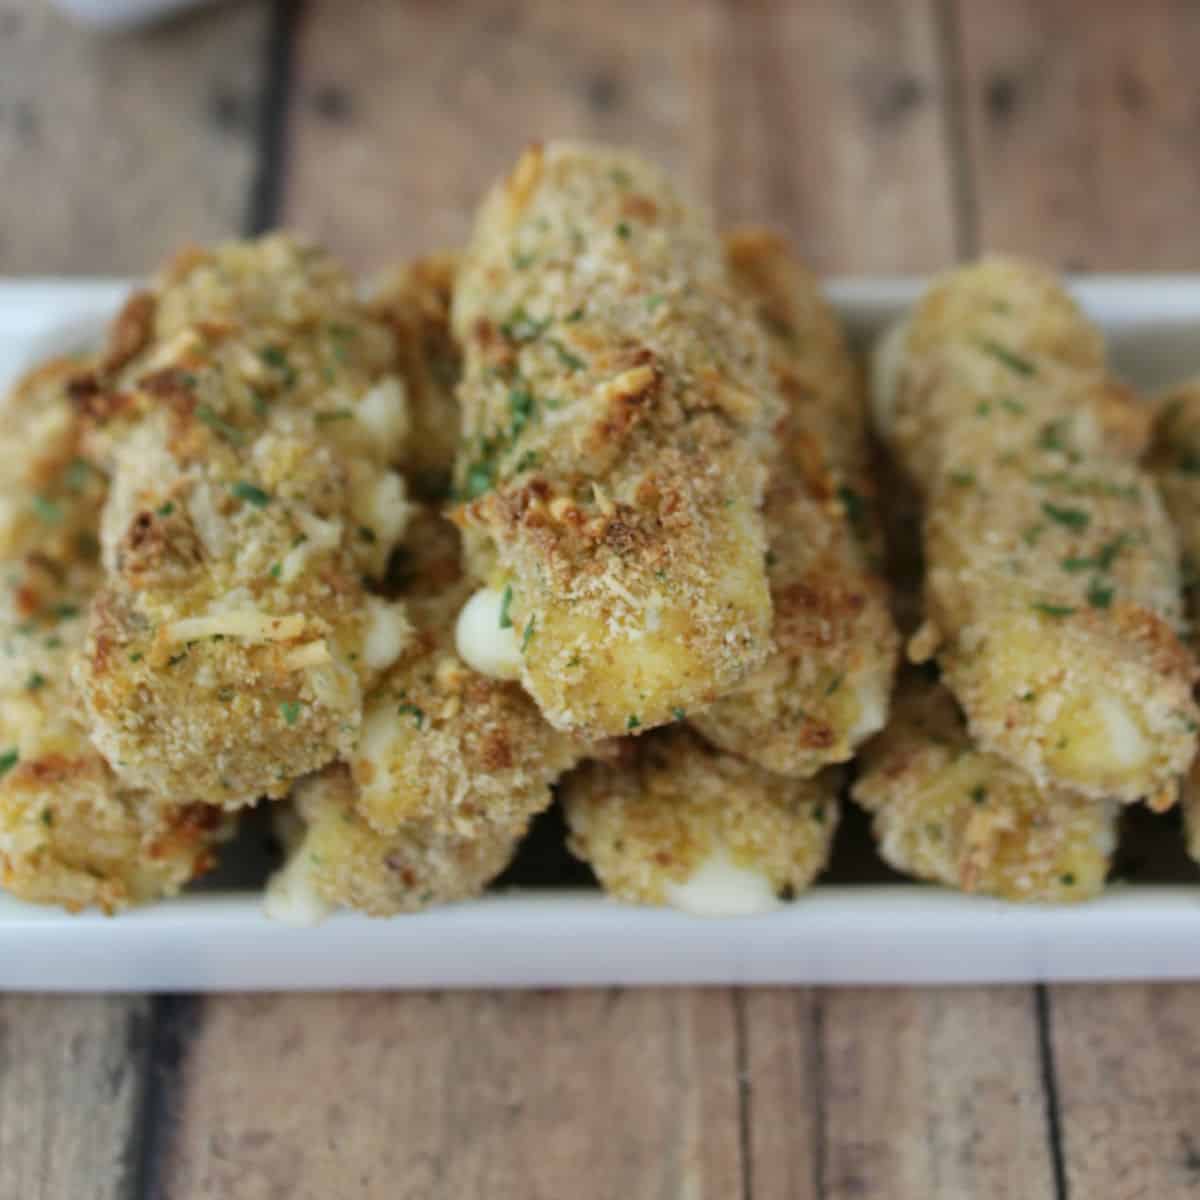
(291, 711)
(250, 494)
(505, 601)
(1072, 518)
(8, 760)
(1002, 354)
(1099, 594)
(35, 681)
(1053, 610)
(527, 636)
(632, 722)
(231, 433)
(417, 714)
(47, 510)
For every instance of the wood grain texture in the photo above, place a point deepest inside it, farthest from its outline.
(823, 118)
(114, 150)
(530, 1096)
(1083, 129)
(1127, 1060)
(72, 1071)
(931, 1093)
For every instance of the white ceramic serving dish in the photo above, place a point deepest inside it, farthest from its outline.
(838, 933)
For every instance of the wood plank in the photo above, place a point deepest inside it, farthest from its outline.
(114, 150)
(1082, 128)
(1127, 1060)
(72, 1072)
(403, 115)
(925, 1093)
(532, 1096)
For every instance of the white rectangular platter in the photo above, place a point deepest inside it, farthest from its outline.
(865, 933)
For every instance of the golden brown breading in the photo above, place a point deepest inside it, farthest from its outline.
(50, 492)
(1052, 590)
(675, 821)
(1174, 460)
(249, 422)
(825, 686)
(441, 743)
(70, 832)
(617, 408)
(948, 812)
(414, 300)
(335, 859)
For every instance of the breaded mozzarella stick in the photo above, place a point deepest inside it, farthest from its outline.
(825, 686)
(1052, 589)
(617, 409)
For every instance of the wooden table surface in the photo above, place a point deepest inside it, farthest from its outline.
(885, 136)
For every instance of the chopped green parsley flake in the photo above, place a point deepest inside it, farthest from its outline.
(1067, 879)
(835, 683)
(527, 637)
(274, 357)
(135, 656)
(1072, 518)
(65, 612)
(521, 261)
(1053, 610)
(47, 510)
(1002, 354)
(165, 509)
(962, 478)
(275, 570)
(678, 714)
(250, 494)
(337, 414)
(571, 361)
(979, 793)
(35, 681)
(479, 479)
(417, 714)
(505, 601)
(652, 302)
(1012, 406)
(76, 475)
(1099, 594)
(520, 403)
(8, 760)
(520, 327)
(291, 711)
(632, 722)
(231, 433)
(622, 229)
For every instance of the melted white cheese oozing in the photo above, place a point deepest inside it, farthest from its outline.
(480, 641)
(291, 898)
(388, 632)
(1127, 745)
(720, 888)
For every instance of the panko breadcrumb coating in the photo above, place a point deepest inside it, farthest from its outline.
(441, 743)
(945, 811)
(825, 686)
(414, 299)
(1052, 589)
(70, 832)
(335, 859)
(1175, 461)
(248, 418)
(673, 817)
(617, 408)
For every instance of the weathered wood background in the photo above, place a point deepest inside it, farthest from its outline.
(884, 135)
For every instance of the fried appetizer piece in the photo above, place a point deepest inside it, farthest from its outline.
(248, 418)
(617, 408)
(825, 686)
(336, 859)
(415, 301)
(71, 833)
(50, 493)
(1175, 462)
(675, 821)
(1052, 589)
(442, 743)
(946, 811)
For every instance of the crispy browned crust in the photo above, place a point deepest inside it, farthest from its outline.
(825, 685)
(443, 744)
(616, 408)
(249, 414)
(1052, 589)
(657, 808)
(946, 811)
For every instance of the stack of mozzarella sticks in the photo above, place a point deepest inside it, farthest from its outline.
(589, 506)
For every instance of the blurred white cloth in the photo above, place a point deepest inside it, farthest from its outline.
(121, 14)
